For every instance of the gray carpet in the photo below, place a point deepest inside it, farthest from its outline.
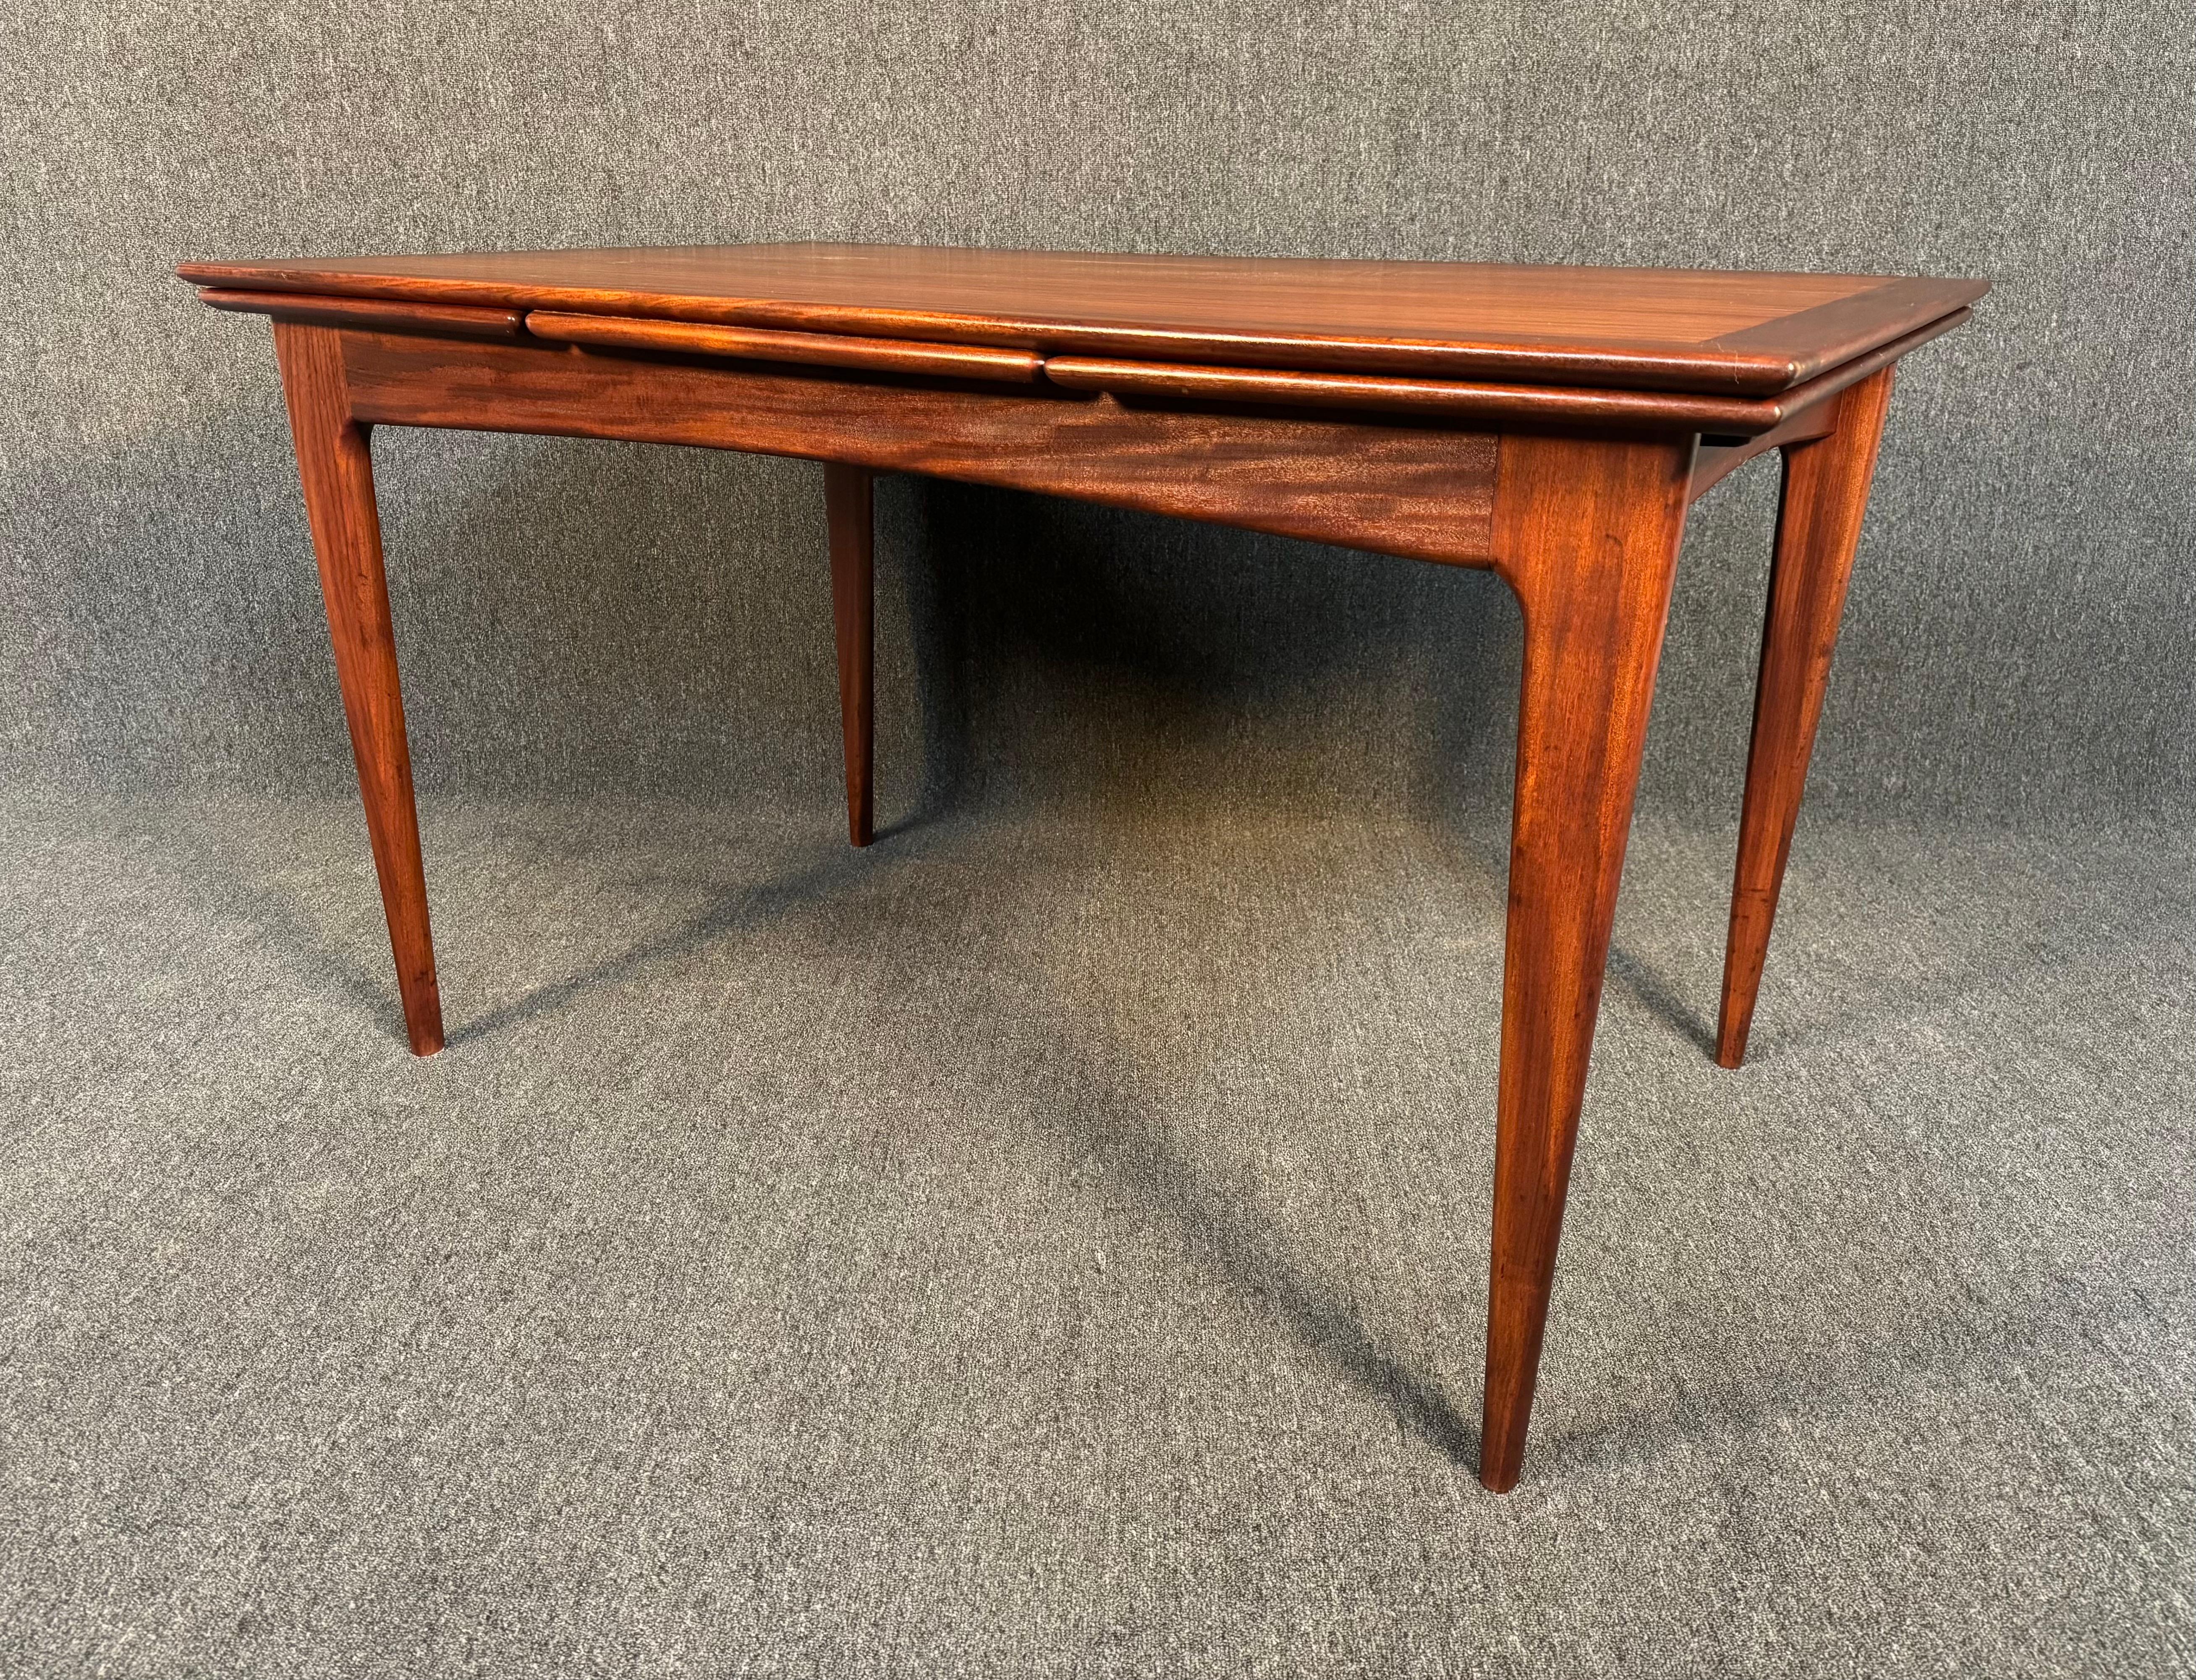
(1053, 1243)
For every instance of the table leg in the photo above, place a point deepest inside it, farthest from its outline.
(337, 468)
(848, 501)
(1586, 533)
(1826, 483)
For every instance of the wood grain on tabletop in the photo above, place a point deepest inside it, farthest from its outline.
(1735, 333)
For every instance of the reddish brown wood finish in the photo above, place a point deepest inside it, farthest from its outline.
(1420, 491)
(373, 313)
(849, 513)
(1580, 504)
(1586, 533)
(1736, 334)
(1611, 412)
(1826, 484)
(337, 469)
(1487, 404)
(819, 349)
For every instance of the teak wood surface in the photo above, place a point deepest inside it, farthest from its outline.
(1553, 423)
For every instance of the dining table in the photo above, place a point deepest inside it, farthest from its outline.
(1553, 423)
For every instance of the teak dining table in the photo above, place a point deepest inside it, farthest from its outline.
(1550, 422)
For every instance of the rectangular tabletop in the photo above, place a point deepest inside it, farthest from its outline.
(1645, 329)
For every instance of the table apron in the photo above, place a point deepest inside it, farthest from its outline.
(1423, 491)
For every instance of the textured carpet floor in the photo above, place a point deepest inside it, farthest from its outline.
(1051, 1244)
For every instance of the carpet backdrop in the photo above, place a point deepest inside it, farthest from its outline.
(589, 616)
(1043, 1247)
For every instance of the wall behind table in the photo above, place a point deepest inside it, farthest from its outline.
(612, 618)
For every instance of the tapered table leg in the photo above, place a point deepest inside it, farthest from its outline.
(337, 469)
(1587, 534)
(1826, 483)
(848, 501)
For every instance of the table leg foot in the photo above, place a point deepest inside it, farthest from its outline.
(1826, 485)
(848, 500)
(1587, 534)
(336, 466)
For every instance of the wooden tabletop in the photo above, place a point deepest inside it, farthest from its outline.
(1649, 329)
